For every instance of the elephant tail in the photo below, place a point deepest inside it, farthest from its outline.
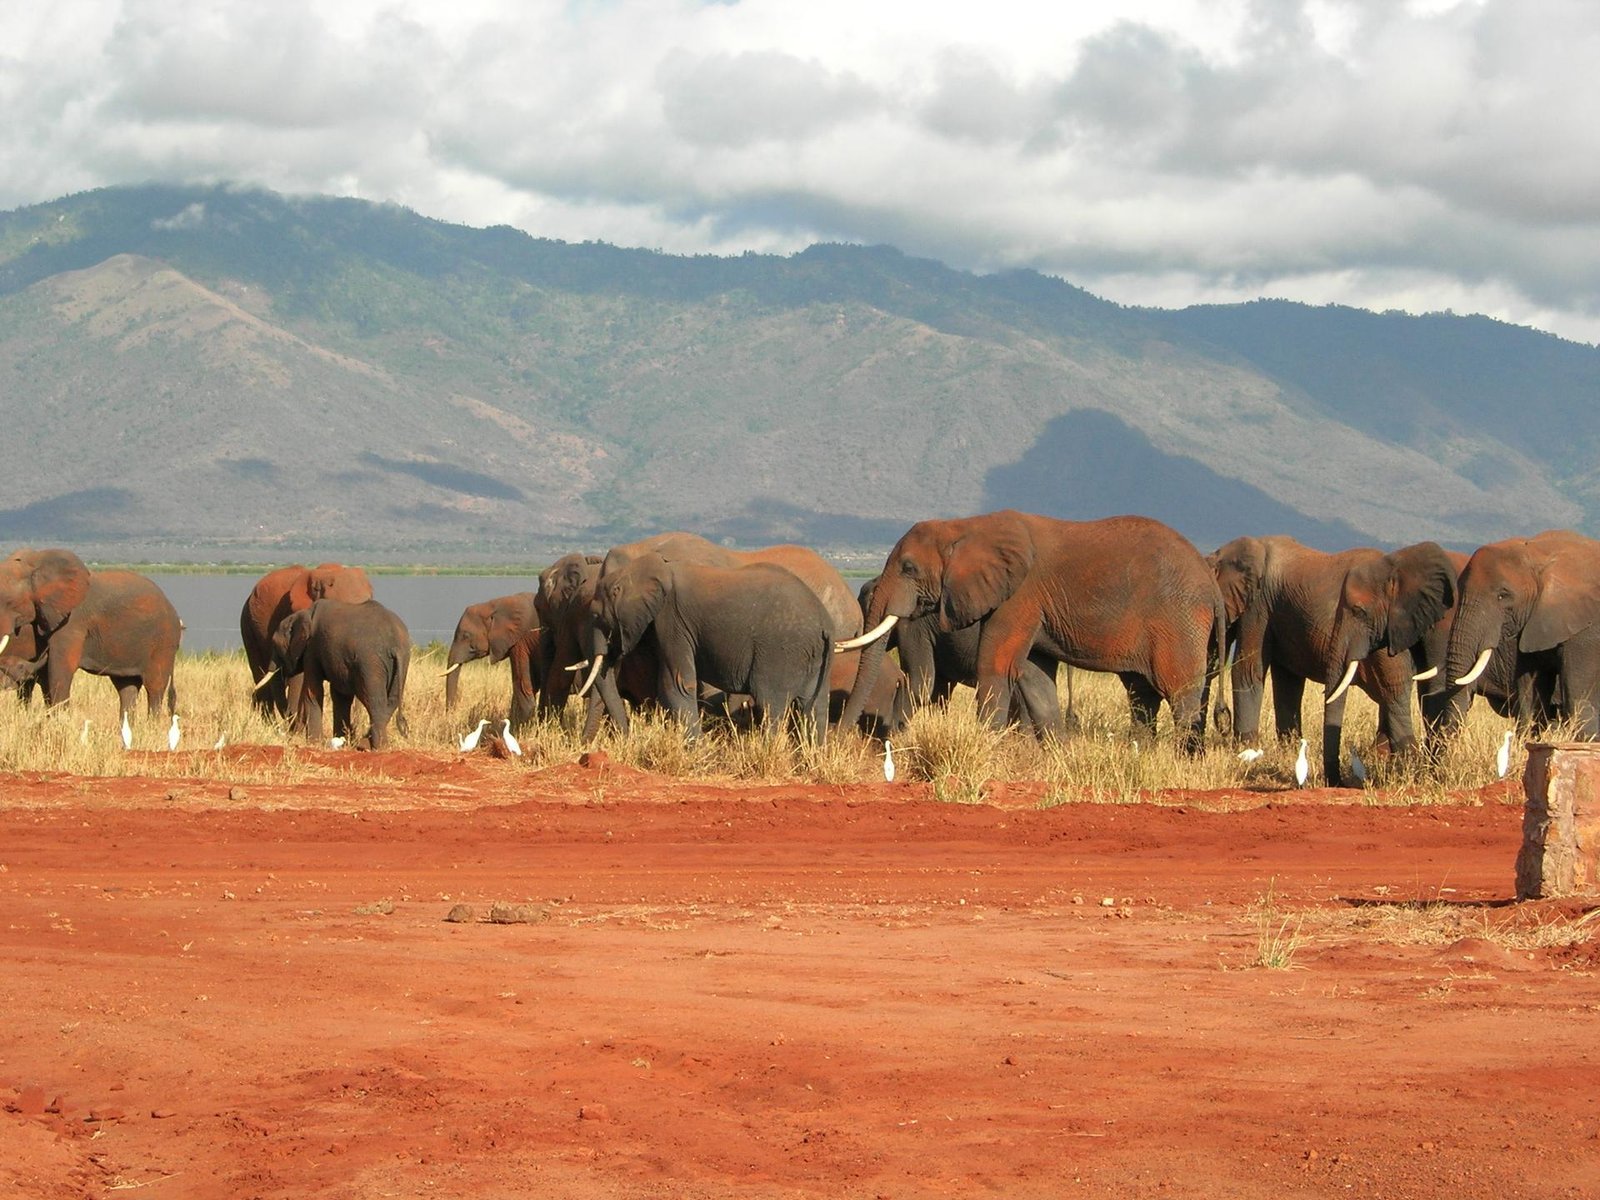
(819, 699)
(172, 696)
(1217, 658)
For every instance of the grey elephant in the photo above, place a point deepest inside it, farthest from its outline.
(361, 651)
(823, 580)
(275, 595)
(756, 630)
(1282, 599)
(504, 629)
(1543, 592)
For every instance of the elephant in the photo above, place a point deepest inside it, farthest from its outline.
(113, 623)
(934, 662)
(823, 580)
(1405, 601)
(22, 662)
(1283, 601)
(1543, 592)
(506, 627)
(1125, 594)
(362, 651)
(275, 595)
(756, 630)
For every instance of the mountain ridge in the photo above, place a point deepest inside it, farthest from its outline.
(209, 370)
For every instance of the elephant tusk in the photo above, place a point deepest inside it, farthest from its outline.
(866, 639)
(454, 668)
(577, 666)
(4, 642)
(594, 672)
(1349, 674)
(1477, 668)
(1424, 676)
(265, 679)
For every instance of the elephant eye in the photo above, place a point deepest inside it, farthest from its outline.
(907, 567)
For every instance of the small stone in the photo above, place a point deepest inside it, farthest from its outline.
(1108, 902)
(238, 793)
(378, 908)
(461, 914)
(105, 1114)
(501, 913)
(594, 1112)
(161, 1114)
(1077, 899)
(595, 760)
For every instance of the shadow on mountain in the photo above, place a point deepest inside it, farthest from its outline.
(252, 470)
(451, 478)
(766, 521)
(92, 512)
(1088, 464)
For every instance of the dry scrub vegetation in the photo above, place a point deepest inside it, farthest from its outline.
(1103, 762)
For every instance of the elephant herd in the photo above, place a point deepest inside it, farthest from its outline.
(999, 602)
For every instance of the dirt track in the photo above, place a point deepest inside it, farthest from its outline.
(741, 991)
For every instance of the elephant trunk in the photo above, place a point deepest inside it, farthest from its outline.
(1472, 643)
(879, 621)
(452, 675)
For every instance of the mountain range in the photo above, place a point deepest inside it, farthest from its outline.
(223, 373)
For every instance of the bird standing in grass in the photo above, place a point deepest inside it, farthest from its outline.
(888, 761)
(1502, 757)
(1251, 755)
(1358, 769)
(172, 734)
(506, 736)
(1302, 766)
(222, 740)
(83, 736)
(127, 733)
(470, 742)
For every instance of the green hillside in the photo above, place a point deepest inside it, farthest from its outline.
(216, 372)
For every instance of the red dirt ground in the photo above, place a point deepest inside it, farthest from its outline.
(768, 991)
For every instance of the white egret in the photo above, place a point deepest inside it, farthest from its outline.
(888, 761)
(1251, 755)
(470, 742)
(127, 733)
(1302, 766)
(506, 736)
(336, 743)
(222, 740)
(1358, 769)
(172, 734)
(1502, 757)
(83, 737)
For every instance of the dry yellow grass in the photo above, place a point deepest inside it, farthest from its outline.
(948, 747)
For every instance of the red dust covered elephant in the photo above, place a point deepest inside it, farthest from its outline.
(276, 594)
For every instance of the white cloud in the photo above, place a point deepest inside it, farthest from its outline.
(1426, 155)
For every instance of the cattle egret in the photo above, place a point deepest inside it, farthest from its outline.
(172, 734)
(1302, 766)
(1249, 756)
(888, 761)
(470, 742)
(1502, 756)
(127, 733)
(222, 740)
(510, 740)
(83, 737)
(336, 743)
(1358, 769)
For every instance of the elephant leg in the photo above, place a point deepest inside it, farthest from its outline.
(60, 665)
(342, 703)
(1332, 729)
(1036, 694)
(1069, 720)
(1580, 683)
(678, 692)
(522, 685)
(294, 700)
(1143, 704)
(1004, 643)
(1288, 690)
(128, 694)
(311, 709)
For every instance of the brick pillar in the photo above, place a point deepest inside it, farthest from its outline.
(1560, 852)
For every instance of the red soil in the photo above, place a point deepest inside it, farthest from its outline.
(768, 991)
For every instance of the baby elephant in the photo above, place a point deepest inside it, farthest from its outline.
(362, 651)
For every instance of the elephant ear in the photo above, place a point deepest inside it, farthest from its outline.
(1239, 567)
(507, 627)
(59, 583)
(640, 600)
(300, 597)
(1562, 608)
(1421, 589)
(983, 567)
(296, 635)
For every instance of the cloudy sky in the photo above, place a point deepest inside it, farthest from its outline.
(1416, 154)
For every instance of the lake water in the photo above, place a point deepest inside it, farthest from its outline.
(430, 605)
